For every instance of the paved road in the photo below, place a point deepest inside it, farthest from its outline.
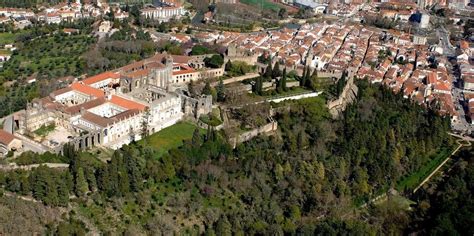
(462, 125)
(437, 169)
(443, 36)
(14, 166)
(237, 79)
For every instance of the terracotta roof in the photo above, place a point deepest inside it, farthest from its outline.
(5, 137)
(184, 69)
(86, 89)
(125, 114)
(61, 91)
(464, 44)
(104, 121)
(87, 105)
(432, 77)
(138, 73)
(125, 103)
(100, 77)
(96, 119)
(442, 86)
(176, 58)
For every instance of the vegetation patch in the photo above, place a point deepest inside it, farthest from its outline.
(211, 120)
(7, 38)
(262, 3)
(51, 56)
(28, 158)
(45, 130)
(170, 137)
(411, 181)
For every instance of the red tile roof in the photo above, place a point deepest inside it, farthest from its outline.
(5, 137)
(86, 89)
(125, 103)
(432, 77)
(100, 77)
(87, 105)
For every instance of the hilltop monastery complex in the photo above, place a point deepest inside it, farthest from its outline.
(112, 108)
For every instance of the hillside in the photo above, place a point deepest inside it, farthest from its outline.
(309, 178)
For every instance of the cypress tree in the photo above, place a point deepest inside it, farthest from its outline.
(207, 89)
(133, 171)
(228, 66)
(268, 70)
(220, 91)
(81, 183)
(91, 180)
(303, 78)
(276, 71)
(283, 80)
(196, 140)
(63, 193)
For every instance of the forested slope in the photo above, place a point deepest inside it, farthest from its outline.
(308, 178)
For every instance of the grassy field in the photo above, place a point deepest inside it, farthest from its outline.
(410, 182)
(6, 38)
(262, 3)
(45, 130)
(171, 137)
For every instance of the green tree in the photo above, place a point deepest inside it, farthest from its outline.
(276, 70)
(303, 78)
(196, 139)
(268, 71)
(228, 66)
(207, 90)
(81, 183)
(220, 91)
(223, 227)
(191, 89)
(215, 61)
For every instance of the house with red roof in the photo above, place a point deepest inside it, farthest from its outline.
(9, 142)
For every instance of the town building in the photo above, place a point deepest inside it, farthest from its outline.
(8, 142)
(163, 12)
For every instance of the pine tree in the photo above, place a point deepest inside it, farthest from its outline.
(81, 183)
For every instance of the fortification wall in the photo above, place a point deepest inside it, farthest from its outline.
(348, 95)
(246, 136)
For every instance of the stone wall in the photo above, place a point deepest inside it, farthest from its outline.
(246, 136)
(348, 95)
